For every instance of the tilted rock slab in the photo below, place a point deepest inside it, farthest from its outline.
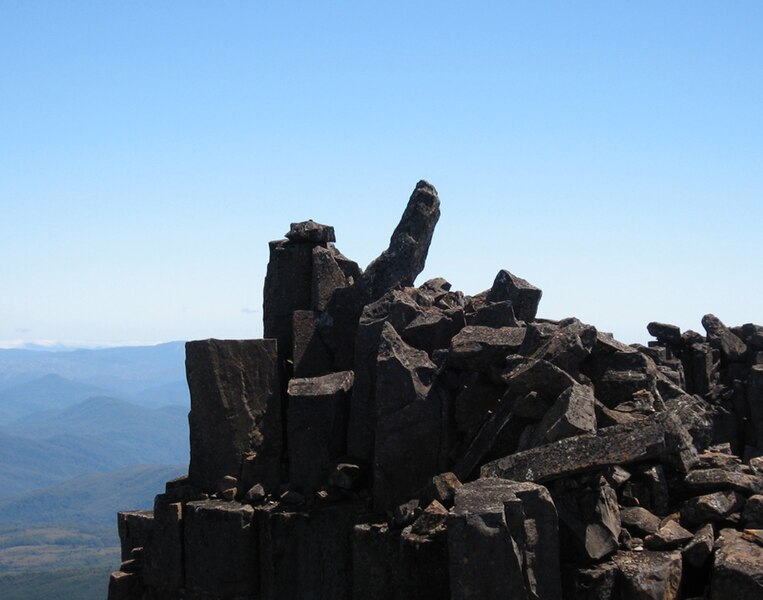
(661, 436)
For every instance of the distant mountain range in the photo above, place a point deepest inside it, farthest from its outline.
(123, 371)
(88, 500)
(83, 434)
(98, 435)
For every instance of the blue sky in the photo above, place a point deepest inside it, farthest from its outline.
(609, 152)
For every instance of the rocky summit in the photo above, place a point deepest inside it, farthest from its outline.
(399, 442)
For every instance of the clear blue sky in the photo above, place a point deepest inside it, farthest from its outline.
(609, 152)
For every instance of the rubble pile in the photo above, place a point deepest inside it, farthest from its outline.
(391, 441)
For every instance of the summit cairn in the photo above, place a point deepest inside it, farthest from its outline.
(392, 441)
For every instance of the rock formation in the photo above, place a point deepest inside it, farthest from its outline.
(391, 441)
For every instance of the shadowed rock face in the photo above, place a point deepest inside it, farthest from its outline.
(391, 441)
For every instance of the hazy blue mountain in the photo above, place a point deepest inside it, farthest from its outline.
(98, 435)
(91, 499)
(174, 393)
(125, 370)
(50, 391)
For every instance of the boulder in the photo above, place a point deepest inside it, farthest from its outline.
(589, 518)
(711, 507)
(697, 552)
(638, 520)
(503, 542)
(719, 336)
(235, 411)
(478, 348)
(737, 569)
(310, 232)
(668, 537)
(649, 575)
(664, 332)
(524, 296)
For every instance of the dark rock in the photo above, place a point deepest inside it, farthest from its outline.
(311, 232)
(697, 552)
(525, 375)
(698, 365)
(719, 336)
(752, 516)
(595, 583)
(529, 407)
(626, 374)
(431, 521)
(668, 537)
(374, 561)
(327, 277)
(404, 259)
(255, 494)
(317, 424)
(503, 542)
(752, 335)
(395, 308)
(639, 520)
(220, 547)
(405, 513)
(649, 575)
(591, 518)
(711, 507)
(346, 476)
(571, 414)
(442, 488)
(660, 436)
(163, 554)
(288, 287)
(292, 498)
(704, 481)
(496, 315)
(484, 440)
(565, 345)
(135, 529)
(235, 411)
(434, 329)
(125, 586)
(477, 398)
(524, 296)
(306, 555)
(755, 402)
(665, 333)
(311, 357)
(478, 348)
(408, 421)
(737, 569)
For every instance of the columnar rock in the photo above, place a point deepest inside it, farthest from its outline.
(503, 542)
(307, 555)
(398, 265)
(317, 426)
(163, 554)
(135, 529)
(324, 459)
(220, 547)
(407, 432)
(235, 413)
